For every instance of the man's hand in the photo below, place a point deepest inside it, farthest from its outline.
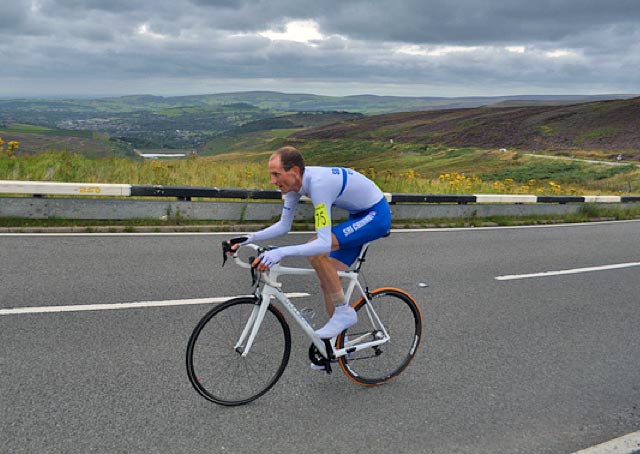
(230, 247)
(235, 243)
(267, 259)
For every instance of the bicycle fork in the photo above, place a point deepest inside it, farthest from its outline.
(253, 325)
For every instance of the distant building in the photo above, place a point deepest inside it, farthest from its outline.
(162, 155)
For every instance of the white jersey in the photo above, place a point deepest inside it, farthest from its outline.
(326, 187)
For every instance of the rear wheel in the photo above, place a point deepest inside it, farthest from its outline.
(216, 367)
(402, 320)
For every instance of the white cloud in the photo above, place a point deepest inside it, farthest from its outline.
(561, 53)
(434, 51)
(145, 31)
(300, 31)
(516, 49)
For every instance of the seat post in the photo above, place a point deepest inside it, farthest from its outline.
(361, 257)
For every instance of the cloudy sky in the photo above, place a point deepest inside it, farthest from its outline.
(331, 47)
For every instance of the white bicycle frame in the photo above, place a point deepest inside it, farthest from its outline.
(272, 289)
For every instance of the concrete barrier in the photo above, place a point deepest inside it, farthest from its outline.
(254, 205)
(111, 209)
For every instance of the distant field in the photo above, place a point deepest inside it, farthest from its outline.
(42, 130)
(39, 139)
(27, 129)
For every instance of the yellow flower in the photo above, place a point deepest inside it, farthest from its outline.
(11, 147)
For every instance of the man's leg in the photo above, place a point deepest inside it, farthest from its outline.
(327, 270)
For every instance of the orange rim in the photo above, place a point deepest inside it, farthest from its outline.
(341, 338)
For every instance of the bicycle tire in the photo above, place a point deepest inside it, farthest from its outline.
(402, 319)
(220, 373)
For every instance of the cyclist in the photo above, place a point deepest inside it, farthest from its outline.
(333, 248)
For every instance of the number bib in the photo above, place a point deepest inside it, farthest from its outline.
(321, 215)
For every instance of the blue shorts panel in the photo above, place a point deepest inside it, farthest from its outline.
(359, 229)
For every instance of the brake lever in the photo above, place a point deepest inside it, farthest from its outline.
(254, 275)
(226, 246)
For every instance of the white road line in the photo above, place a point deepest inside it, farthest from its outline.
(132, 305)
(512, 277)
(628, 444)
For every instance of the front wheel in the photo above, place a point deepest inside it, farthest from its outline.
(215, 365)
(402, 320)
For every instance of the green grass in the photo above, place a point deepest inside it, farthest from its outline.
(570, 172)
(595, 135)
(401, 168)
(16, 128)
(283, 133)
(128, 225)
(28, 129)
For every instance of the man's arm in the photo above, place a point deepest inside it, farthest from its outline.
(320, 245)
(282, 226)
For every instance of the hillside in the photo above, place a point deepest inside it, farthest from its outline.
(232, 121)
(368, 104)
(260, 134)
(603, 125)
(50, 111)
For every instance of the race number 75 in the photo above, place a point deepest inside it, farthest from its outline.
(321, 216)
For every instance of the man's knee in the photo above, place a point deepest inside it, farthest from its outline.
(318, 260)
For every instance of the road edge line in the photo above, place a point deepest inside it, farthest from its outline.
(627, 444)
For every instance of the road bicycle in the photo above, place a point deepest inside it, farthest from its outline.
(240, 348)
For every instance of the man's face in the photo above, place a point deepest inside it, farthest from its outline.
(286, 180)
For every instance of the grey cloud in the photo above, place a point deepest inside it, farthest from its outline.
(233, 4)
(14, 16)
(180, 40)
(487, 21)
(62, 7)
